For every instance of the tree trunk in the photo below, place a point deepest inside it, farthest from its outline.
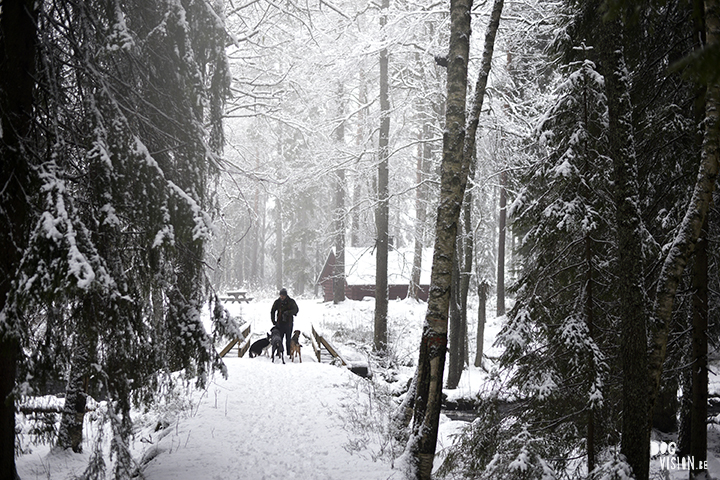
(483, 288)
(691, 226)
(433, 343)
(633, 332)
(73, 414)
(589, 318)
(339, 273)
(698, 415)
(460, 287)
(501, 247)
(467, 241)
(359, 141)
(455, 359)
(255, 233)
(588, 306)
(302, 273)
(18, 47)
(383, 207)
(279, 244)
(423, 165)
(457, 147)
(685, 409)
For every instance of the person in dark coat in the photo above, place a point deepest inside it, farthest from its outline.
(286, 309)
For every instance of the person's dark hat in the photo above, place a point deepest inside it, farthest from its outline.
(283, 292)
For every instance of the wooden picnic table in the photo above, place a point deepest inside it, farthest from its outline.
(236, 296)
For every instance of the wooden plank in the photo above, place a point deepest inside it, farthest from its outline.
(332, 350)
(228, 347)
(245, 346)
(328, 346)
(242, 349)
(316, 349)
(246, 330)
(316, 344)
(245, 334)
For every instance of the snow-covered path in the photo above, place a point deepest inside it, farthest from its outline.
(266, 421)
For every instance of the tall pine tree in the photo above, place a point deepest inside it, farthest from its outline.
(124, 152)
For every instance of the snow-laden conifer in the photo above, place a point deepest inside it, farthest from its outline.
(127, 138)
(554, 336)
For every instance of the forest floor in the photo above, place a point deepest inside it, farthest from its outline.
(298, 420)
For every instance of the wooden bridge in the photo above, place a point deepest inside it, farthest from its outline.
(323, 349)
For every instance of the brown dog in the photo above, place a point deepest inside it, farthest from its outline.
(295, 346)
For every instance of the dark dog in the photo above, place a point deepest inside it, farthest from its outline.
(276, 340)
(260, 347)
(295, 346)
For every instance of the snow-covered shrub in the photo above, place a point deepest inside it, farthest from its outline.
(498, 446)
(475, 447)
(613, 466)
(520, 458)
(368, 417)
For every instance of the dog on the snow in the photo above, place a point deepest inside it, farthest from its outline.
(259, 347)
(276, 340)
(295, 346)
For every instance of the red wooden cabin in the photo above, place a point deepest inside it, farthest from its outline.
(360, 273)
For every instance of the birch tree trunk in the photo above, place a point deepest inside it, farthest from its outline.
(467, 241)
(382, 212)
(458, 144)
(690, 229)
(433, 344)
(698, 413)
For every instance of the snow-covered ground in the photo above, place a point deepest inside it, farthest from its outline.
(269, 420)
(294, 421)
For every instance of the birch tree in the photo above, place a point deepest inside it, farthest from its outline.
(685, 241)
(458, 147)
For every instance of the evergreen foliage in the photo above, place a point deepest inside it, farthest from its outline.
(563, 295)
(127, 137)
(563, 339)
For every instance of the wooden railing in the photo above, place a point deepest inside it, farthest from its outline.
(319, 344)
(320, 341)
(243, 347)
